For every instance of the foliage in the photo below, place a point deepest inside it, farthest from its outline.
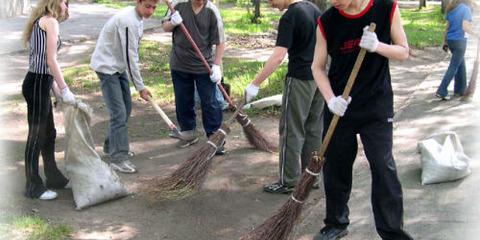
(424, 27)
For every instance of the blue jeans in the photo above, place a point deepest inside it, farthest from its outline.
(218, 96)
(456, 69)
(116, 93)
(184, 87)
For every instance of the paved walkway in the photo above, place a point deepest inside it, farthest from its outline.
(448, 211)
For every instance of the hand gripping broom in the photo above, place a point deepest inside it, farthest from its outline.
(254, 136)
(472, 84)
(279, 226)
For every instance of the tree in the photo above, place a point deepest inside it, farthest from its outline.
(422, 4)
(11, 8)
(256, 12)
(444, 5)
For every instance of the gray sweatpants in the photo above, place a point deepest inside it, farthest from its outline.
(301, 127)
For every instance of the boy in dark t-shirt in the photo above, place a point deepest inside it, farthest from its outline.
(202, 20)
(342, 30)
(302, 105)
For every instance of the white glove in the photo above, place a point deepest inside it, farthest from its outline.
(216, 75)
(251, 91)
(67, 96)
(369, 40)
(176, 19)
(338, 105)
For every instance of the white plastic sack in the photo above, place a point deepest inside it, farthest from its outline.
(275, 100)
(92, 180)
(443, 158)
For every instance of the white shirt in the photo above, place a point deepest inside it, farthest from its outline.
(117, 46)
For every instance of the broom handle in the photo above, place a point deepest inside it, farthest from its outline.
(164, 116)
(346, 92)
(200, 55)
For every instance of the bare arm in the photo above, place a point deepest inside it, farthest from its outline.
(445, 33)
(50, 25)
(319, 69)
(219, 50)
(272, 63)
(399, 50)
(167, 26)
(467, 27)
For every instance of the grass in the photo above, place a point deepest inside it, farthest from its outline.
(154, 58)
(238, 21)
(34, 228)
(424, 27)
(119, 4)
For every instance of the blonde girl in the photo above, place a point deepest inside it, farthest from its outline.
(41, 35)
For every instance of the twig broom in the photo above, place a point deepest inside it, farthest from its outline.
(472, 84)
(279, 226)
(190, 175)
(254, 136)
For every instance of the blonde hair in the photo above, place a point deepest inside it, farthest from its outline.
(44, 8)
(454, 3)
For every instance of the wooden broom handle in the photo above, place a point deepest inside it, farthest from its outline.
(200, 55)
(164, 116)
(346, 92)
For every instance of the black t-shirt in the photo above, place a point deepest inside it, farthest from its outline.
(296, 32)
(372, 95)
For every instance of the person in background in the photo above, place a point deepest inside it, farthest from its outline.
(44, 74)
(301, 122)
(115, 60)
(342, 31)
(459, 18)
(203, 21)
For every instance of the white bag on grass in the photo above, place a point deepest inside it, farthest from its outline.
(443, 158)
(275, 100)
(92, 180)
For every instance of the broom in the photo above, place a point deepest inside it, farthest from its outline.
(165, 118)
(190, 175)
(254, 136)
(279, 226)
(472, 84)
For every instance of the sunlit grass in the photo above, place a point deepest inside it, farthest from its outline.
(34, 228)
(424, 27)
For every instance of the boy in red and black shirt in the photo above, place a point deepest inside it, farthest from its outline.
(342, 31)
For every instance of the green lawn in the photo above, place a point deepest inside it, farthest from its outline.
(425, 27)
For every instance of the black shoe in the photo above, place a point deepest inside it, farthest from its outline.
(278, 188)
(330, 233)
(221, 151)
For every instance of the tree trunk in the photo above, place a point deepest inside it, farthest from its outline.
(256, 13)
(12, 8)
(422, 4)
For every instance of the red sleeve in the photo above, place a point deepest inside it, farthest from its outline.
(319, 23)
(394, 6)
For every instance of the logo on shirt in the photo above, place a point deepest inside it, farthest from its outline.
(349, 45)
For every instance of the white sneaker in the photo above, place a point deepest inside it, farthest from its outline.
(48, 195)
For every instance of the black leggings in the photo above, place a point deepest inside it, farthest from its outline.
(41, 136)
